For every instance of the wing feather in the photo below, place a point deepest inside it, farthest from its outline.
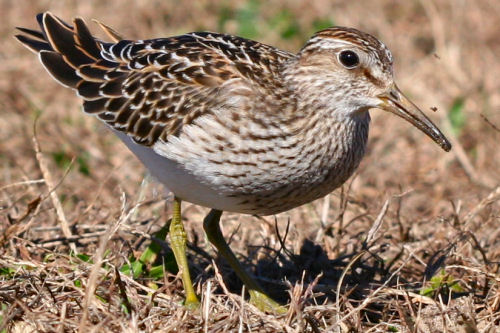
(149, 89)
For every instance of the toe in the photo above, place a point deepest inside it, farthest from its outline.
(265, 303)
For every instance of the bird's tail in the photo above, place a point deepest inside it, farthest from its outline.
(76, 59)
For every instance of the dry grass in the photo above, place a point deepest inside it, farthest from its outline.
(436, 215)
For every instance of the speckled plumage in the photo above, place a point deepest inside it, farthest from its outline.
(230, 123)
(224, 121)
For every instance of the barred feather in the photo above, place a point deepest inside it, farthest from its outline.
(148, 89)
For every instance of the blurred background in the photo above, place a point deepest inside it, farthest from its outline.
(446, 60)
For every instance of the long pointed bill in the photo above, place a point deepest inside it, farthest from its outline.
(394, 101)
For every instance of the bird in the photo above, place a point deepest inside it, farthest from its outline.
(230, 123)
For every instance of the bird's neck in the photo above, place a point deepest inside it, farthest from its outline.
(320, 99)
(334, 135)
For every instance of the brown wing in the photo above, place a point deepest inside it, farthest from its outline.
(148, 88)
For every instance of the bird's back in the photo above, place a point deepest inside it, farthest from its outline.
(150, 89)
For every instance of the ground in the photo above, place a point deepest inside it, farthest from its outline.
(410, 244)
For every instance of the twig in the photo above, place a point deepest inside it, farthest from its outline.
(325, 209)
(377, 224)
(62, 318)
(495, 127)
(414, 296)
(282, 240)
(367, 300)
(242, 310)
(123, 291)
(206, 303)
(98, 259)
(100, 189)
(492, 197)
(52, 188)
(462, 157)
(27, 182)
(341, 280)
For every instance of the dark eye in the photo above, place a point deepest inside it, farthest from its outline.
(349, 59)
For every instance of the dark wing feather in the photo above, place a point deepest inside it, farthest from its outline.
(149, 89)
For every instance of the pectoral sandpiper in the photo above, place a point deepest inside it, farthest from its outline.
(230, 123)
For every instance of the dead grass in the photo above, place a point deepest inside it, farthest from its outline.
(438, 233)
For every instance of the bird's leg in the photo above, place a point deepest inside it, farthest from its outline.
(257, 295)
(178, 244)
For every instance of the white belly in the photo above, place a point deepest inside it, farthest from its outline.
(253, 176)
(178, 180)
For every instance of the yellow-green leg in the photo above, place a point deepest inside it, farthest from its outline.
(257, 295)
(178, 244)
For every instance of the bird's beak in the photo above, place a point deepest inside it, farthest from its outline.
(394, 101)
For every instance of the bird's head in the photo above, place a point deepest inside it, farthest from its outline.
(354, 70)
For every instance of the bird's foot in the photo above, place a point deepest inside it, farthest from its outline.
(192, 303)
(265, 303)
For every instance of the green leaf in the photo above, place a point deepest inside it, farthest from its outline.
(139, 267)
(7, 271)
(286, 23)
(322, 23)
(62, 159)
(3, 308)
(291, 31)
(84, 257)
(225, 14)
(247, 18)
(457, 116)
(153, 250)
(156, 272)
(36, 112)
(441, 282)
(102, 299)
(135, 269)
(83, 163)
(123, 306)
(170, 263)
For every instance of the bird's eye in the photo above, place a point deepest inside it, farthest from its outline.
(349, 59)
